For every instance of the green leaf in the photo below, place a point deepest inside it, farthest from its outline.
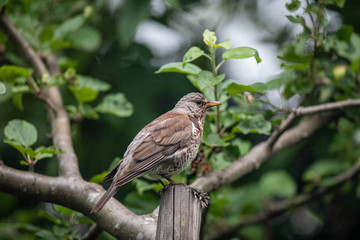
(46, 152)
(340, 3)
(64, 210)
(345, 32)
(192, 54)
(277, 184)
(225, 45)
(235, 88)
(296, 19)
(260, 87)
(293, 6)
(178, 67)
(93, 83)
(241, 53)
(214, 140)
(88, 111)
(2, 88)
(209, 37)
(47, 34)
(86, 89)
(86, 38)
(98, 178)
(45, 234)
(323, 168)
(84, 94)
(61, 231)
(217, 79)
(72, 111)
(56, 80)
(17, 100)
(253, 124)
(21, 132)
(20, 89)
(115, 104)
(10, 73)
(243, 146)
(48, 216)
(16, 145)
(205, 79)
(350, 50)
(142, 185)
(70, 25)
(59, 44)
(24, 163)
(218, 161)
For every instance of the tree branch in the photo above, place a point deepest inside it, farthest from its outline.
(69, 189)
(280, 139)
(260, 153)
(23, 46)
(68, 162)
(301, 111)
(276, 209)
(81, 196)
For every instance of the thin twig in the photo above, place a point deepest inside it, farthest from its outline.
(23, 46)
(311, 110)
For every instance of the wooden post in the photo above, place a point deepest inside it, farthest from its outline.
(179, 214)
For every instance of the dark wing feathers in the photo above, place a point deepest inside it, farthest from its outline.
(113, 172)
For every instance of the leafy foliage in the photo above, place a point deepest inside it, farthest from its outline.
(22, 135)
(220, 132)
(319, 66)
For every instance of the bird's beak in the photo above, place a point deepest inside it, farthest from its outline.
(212, 104)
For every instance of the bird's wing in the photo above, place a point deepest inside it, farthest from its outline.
(166, 136)
(112, 172)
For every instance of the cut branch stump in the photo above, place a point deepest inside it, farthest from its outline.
(180, 213)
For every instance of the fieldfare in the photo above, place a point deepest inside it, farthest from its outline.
(163, 148)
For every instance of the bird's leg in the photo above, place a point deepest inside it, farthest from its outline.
(172, 182)
(164, 185)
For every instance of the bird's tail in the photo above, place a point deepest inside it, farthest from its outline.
(106, 197)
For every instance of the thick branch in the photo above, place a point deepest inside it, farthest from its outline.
(276, 209)
(280, 139)
(68, 162)
(260, 153)
(81, 196)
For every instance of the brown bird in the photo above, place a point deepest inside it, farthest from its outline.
(163, 148)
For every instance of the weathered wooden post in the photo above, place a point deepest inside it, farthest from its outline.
(180, 213)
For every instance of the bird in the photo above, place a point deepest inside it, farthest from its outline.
(164, 147)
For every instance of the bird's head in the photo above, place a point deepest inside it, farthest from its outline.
(195, 104)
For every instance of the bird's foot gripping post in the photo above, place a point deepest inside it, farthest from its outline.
(180, 213)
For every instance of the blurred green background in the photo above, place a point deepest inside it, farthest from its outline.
(123, 43)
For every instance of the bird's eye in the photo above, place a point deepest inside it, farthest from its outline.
(199, 102)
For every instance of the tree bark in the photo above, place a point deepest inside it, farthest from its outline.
(180, 214)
